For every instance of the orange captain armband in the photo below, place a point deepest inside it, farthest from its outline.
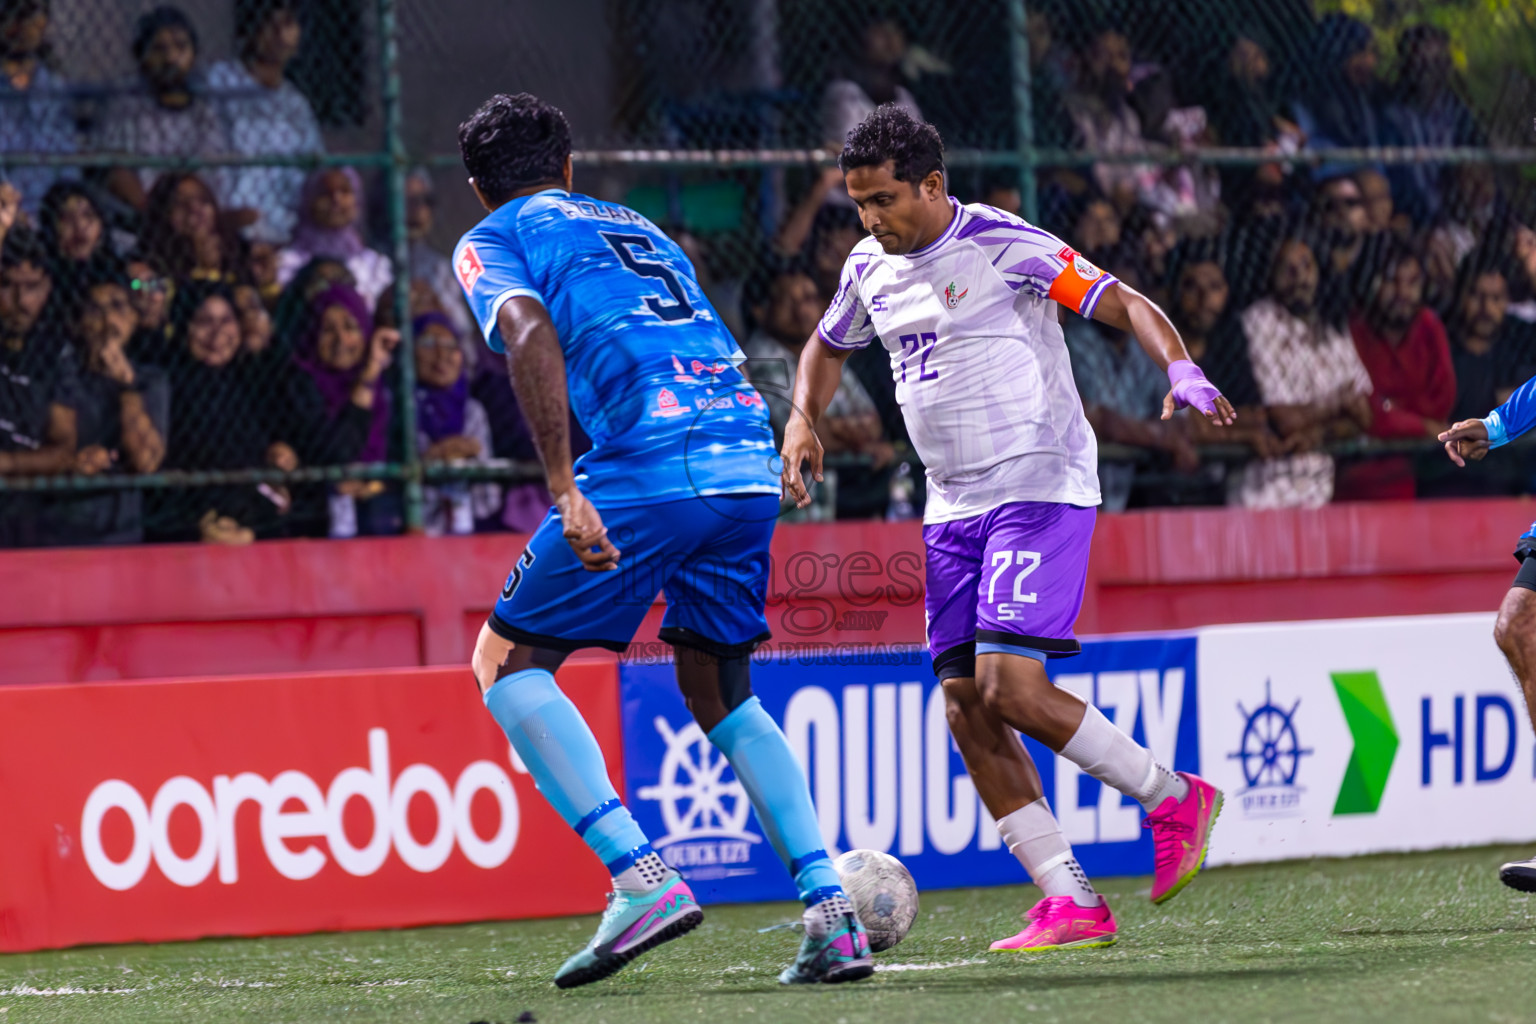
(1076, 281)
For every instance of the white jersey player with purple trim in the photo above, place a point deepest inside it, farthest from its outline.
(982, 373)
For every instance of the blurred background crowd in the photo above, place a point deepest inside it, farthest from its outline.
(193, 280)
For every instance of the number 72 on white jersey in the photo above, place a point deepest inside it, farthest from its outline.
(1025, 562)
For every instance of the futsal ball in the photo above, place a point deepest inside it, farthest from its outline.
(882, 893)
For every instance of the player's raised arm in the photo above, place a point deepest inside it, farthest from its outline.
(537, 367)
(1125, 308)
(1473, 439)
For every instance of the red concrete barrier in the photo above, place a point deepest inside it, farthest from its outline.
(148, 811)
(151, 612)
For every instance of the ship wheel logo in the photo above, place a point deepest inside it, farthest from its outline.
(695, 800)
(1270, 752)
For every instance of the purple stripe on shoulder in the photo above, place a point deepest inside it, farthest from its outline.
(1095, 293)
(1037, 270)
(859, 269)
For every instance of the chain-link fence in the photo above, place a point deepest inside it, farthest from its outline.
(225, 207)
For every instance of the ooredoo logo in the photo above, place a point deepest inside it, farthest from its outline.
(321, 817)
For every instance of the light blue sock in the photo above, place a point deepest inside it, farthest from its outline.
(775, 783)
(566, 763)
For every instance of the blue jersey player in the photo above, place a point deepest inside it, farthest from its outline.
(1515, 630)
(600, 314)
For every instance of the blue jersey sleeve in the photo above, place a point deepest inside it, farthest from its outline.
(491, 271)
(1514, 417)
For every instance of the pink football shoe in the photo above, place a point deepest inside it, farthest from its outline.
(1057, 922)
(1181, 834)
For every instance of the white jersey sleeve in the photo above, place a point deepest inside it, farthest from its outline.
(1034, 260)
(846, 323)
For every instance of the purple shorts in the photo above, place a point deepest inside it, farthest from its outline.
(1011, 576)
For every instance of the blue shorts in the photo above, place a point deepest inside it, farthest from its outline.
(709, 556)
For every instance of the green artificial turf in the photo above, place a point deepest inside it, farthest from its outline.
(1419, 937)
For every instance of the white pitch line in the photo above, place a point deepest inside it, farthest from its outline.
(928, 967)
(68, 990)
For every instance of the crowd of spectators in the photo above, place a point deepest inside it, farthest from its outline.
(1350, 310)
(241, 318)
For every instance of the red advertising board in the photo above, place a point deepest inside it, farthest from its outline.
(146, 811)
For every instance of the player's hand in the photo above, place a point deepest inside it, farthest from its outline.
(800, 444)
(585, 532)
(1221, 412)
(381, 350)
(1466, 440)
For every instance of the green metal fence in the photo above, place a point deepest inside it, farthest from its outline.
(706, 114)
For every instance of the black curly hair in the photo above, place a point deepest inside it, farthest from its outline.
(913, 147)
(512, 142)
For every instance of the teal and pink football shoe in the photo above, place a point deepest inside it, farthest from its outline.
(836, 947)
(1057, 922)
(1181, 835)
(633, 923)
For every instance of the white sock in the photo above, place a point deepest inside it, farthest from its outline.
(643, 875)
(821, 918)
(1118, 761)
(1034, 836)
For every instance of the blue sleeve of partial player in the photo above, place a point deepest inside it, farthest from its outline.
(491, 271)
(1514, 417)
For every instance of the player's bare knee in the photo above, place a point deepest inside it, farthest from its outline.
(961, 701)
(1515, 629)
(491, 652)
(1012, 687)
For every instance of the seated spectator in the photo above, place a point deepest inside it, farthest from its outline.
(1002, 193)
(220, 419)
(1344, 261)
(330, 209)
(339, 411)
(166, 114)
(1097, 233)
(835, 232)
(37, 383)
(185, 232)
(1471, 211)
(802, 220)
(450, 427)
(1245, 110)
(1201, 311)
(1050, 76)
(1403, 346)
(429, 265)
(1381, 216)
(785, 319)
(875, 77)
(1425, 109)
(526, 501)
(72, 226)
(265, 114)
(1122, 391)
(34, 100)
(1105, 120)
(1492, 354)
(149, 289)
(1310, 379)
(122, 416)
(1341, 106)
(291, 313)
